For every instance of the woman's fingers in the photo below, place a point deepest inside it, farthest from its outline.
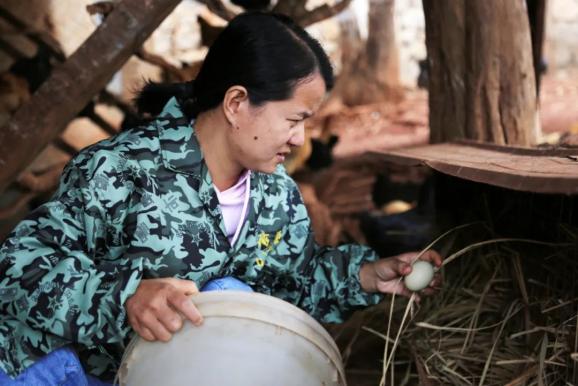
(153, 324)
(171, 320)
(186, 287)
(183, 304)
(430, 255)
(436, 283)
(154, 310)
(391, 268)
(146, 334)
(401, 267)
(393, 286)
(433, 257)
(141, 329)
(434, 286)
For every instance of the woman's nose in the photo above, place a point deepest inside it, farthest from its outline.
(298, 137)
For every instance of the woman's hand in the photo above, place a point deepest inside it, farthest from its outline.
(156, 310)
(383, 275)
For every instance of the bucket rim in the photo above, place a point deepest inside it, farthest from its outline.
(262, 308)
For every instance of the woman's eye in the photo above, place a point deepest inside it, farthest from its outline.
(293, 122)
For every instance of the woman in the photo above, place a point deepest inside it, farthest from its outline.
(141, 220)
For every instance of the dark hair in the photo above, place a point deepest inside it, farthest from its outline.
(268, 54)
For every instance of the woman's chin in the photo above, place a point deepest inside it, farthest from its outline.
(268, 168)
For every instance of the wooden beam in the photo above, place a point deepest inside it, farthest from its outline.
(159, 61)
(324, 11)
(73, 83)
(297, 10)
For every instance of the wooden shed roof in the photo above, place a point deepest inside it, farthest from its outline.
(525, 169)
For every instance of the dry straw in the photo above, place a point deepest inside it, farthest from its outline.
(495, 321)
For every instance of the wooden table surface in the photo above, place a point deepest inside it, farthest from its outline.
(525, 169)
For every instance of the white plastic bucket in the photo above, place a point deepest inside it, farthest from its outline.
(247, 339)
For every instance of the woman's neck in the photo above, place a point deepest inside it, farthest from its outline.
(211, 131)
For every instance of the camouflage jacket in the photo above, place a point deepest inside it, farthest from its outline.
(142, 205)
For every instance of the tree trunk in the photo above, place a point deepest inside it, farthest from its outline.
(381, 53)
(481, 75)
(373, 75)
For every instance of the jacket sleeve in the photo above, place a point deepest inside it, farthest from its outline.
(327, 277)
(54, 265)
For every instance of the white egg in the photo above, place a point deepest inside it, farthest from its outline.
(421, 275)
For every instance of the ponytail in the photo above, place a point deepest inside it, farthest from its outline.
(154, 96)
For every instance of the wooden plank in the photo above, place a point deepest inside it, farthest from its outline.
(531, 170)
(73, 83)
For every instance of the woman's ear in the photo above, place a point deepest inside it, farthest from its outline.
(235, 100)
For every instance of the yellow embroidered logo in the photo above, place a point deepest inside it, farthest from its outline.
(264, 243)
(277, 239)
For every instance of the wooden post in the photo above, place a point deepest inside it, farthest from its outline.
(481, 80)
(373, 75)
(73, 83)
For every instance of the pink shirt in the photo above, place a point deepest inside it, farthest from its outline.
(234, 202)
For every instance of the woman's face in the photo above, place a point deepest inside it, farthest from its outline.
(263, 136)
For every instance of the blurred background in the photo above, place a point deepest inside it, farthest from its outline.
(409, 73)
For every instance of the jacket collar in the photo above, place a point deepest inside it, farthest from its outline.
(180, 149)
(181, 152)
